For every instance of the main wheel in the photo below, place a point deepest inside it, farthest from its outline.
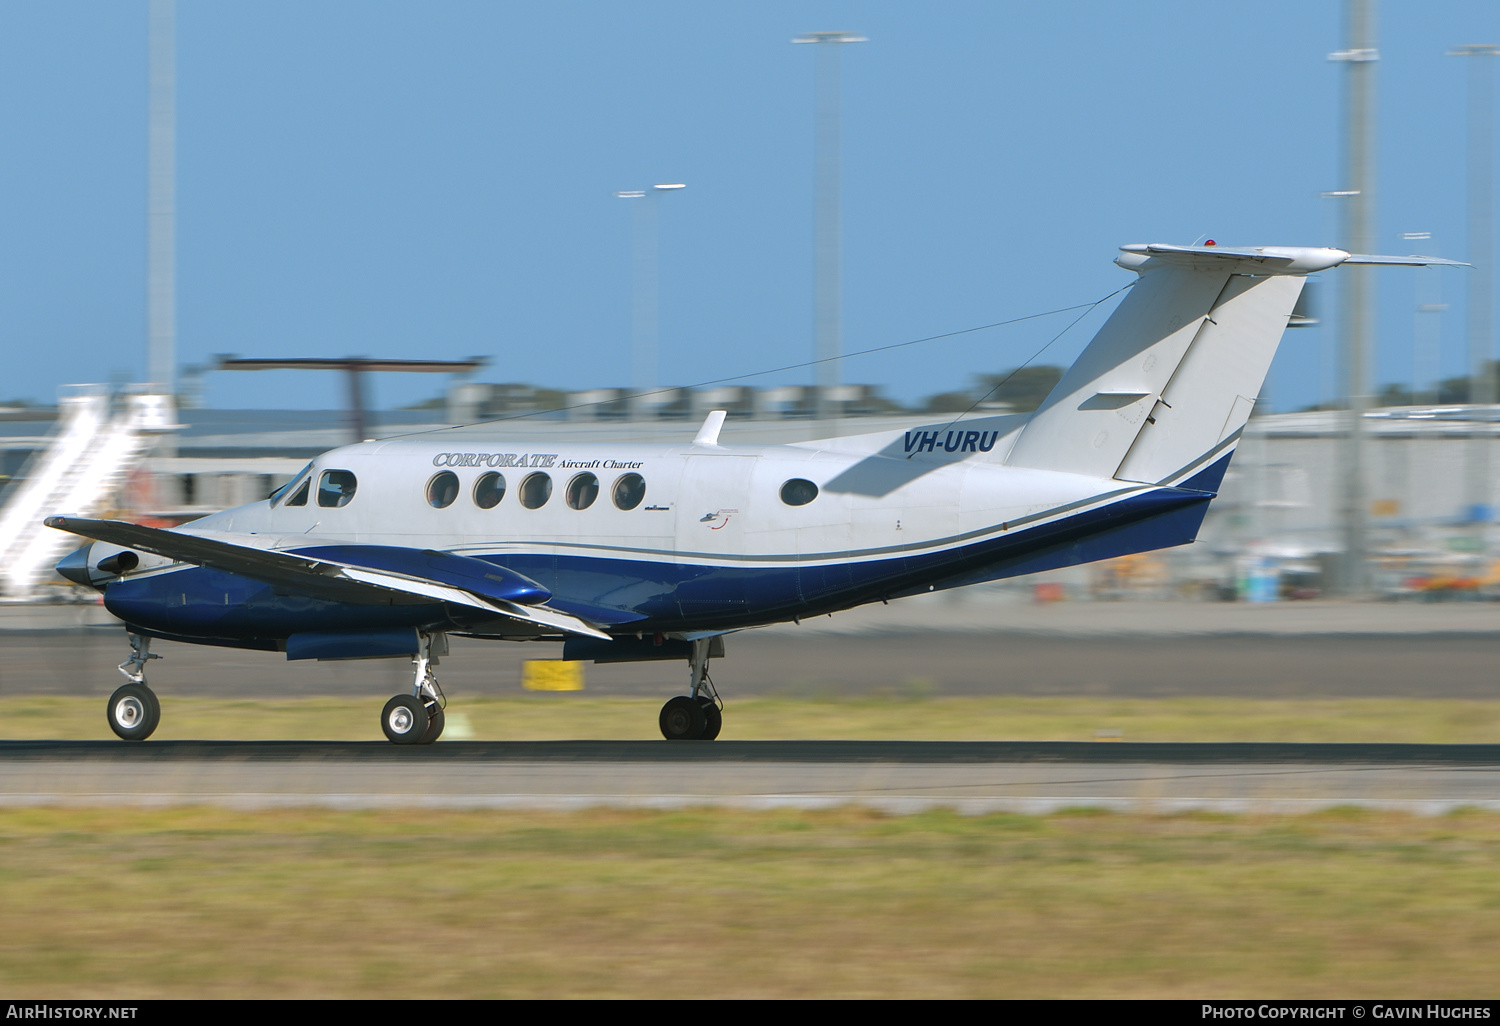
(133, 712)
(434, 724)
(713, 719)
(405, 720)
(682, 719)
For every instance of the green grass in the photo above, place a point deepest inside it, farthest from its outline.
(722, 903)
(1012, 718)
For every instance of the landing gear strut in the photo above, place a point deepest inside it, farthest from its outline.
(417, 718)
(133, 711)
(698, 715)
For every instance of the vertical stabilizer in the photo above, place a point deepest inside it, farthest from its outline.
(1208, 400)
(1088, 422)
(1171, 377)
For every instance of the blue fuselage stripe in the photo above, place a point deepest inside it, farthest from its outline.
(655, 595)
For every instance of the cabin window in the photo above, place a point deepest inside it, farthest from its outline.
(279, 493)
(299, 497)
(336, 488)
(798, 492)
(489, 490)
(628, 491)
(582, 491)
(442, 489)
(536, 490)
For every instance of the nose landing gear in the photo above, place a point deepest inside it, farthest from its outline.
(698, 715)
(417, 718)
(133, 710)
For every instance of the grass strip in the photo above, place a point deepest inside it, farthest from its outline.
(724, 903)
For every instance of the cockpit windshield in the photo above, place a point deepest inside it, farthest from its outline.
(281, 492)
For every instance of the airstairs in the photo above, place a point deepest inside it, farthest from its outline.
(91, 455)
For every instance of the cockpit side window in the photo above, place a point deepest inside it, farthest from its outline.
(299, 497)
(281, 492)
(336, 488)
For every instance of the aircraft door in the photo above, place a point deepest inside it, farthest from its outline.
(714, 505)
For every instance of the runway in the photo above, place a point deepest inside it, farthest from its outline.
(892, 777)
(937, 648)
(802, 662)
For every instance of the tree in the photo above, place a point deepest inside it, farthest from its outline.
(1016, 391)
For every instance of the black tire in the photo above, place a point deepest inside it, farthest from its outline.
(133, 712)
(682, 719)
(713, 719)
(404, 720)
(434, 724)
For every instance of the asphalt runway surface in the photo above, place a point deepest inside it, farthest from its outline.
(895, 777)
(891, 776)
(782, 661)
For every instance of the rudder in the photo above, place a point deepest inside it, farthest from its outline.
(1170, 376)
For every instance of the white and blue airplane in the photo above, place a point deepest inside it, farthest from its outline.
(640, 552)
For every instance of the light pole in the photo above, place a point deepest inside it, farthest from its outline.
(1358, 296)
(161, 207)
(643, 325)
(1331, 354)
(827, 319)
(1481, 284)
(1426, 356)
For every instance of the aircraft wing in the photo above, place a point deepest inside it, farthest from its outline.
(318, 574)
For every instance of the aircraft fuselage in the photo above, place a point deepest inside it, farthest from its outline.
(712, 542)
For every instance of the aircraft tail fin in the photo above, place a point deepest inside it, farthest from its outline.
(1163, 391)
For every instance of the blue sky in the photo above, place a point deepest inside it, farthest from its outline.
(436, 179)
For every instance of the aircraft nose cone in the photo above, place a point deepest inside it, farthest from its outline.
(75, 566)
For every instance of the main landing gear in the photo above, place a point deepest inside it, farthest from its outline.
(133, 710)
(698, 715)
(417, 718)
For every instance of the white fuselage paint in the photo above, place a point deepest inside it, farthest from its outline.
(703, 504)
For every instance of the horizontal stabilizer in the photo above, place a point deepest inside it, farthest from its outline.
(316, 576)
(1404, 261)
(1262, 259)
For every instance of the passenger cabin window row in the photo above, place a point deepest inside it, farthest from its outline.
(337, 487)
(535, 489)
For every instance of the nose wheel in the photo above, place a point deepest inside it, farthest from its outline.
(133, 710)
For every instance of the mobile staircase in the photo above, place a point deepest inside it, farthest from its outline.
(79, 473)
